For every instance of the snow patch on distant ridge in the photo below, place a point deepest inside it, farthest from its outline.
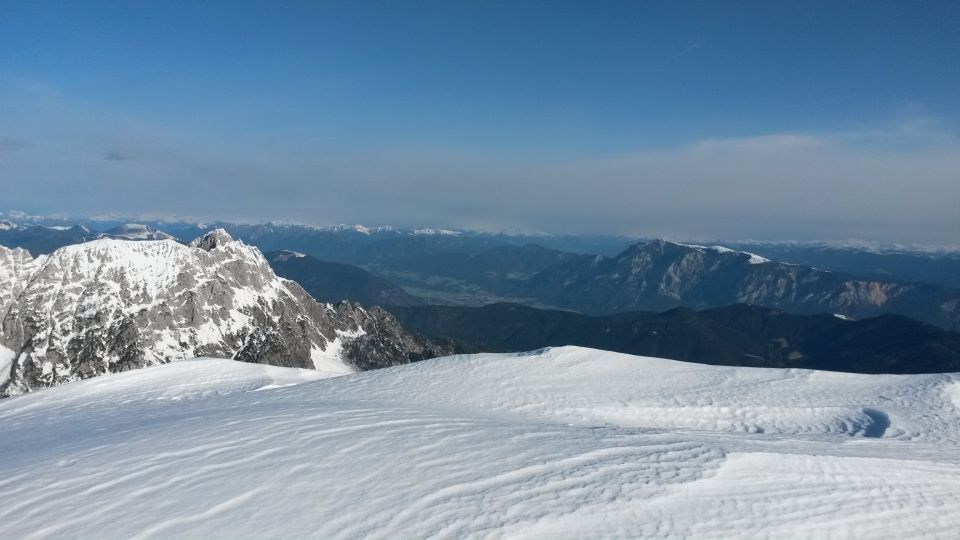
(753, 257)
(436, 232)
(868, 246)
(287, 254)
(136, 231)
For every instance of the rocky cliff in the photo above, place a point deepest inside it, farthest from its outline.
(113, 305)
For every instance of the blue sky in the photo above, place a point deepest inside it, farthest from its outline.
(678, 119)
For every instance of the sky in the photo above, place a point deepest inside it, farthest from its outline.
(724, 120)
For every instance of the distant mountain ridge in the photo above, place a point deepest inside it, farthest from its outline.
(42, 239)
(738, 335)
(937, 267)
(136, 231)
(333, 282)
(45, 239)
(661, 275)
(468, 268)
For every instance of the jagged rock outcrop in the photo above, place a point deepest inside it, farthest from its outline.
(112, 305)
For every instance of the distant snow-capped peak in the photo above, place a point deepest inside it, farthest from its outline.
(437, 232)
(753, 257)
(136, 231)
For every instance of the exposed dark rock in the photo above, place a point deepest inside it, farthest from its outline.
(739, 335)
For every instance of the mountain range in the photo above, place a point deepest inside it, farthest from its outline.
(44, 239)
(936, 267)
(738, 335)
(660, 275)
(460, 269)
(368, 246)
(611, 301)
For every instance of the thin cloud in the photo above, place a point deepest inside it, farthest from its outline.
(895, 183)
(10, 144)
(685, 51)
(116, 155)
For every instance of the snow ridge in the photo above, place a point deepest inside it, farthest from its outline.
(753, 257)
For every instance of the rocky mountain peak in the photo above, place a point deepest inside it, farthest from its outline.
(212, 240)
(112, 305)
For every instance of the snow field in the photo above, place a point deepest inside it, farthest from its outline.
(559, 443)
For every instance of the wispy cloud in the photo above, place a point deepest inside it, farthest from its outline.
(685, 50)
(9, 144)
(894, 182)
(116, 155)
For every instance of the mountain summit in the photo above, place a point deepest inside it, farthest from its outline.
(212, 240)
(113, 305)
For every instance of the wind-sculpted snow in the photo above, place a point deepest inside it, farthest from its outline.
(560, 443)
(113, 305)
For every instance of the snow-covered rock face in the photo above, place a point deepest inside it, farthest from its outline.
(112, 305)
(15, 266)
(212, 240)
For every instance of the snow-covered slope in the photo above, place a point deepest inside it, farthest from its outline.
(560, 443)
(136, 231)
(112, 305)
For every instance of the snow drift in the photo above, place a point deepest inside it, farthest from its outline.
(562, 442)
